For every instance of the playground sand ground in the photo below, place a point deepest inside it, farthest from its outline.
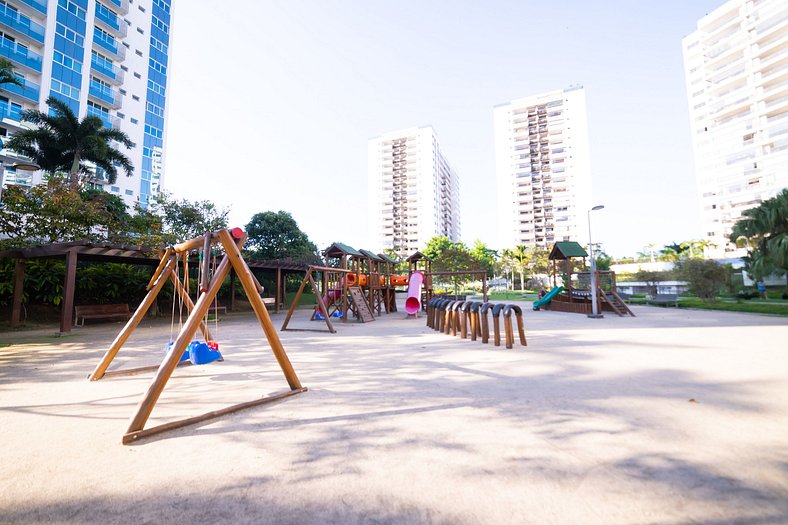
(671, 417)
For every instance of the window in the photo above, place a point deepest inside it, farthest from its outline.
(115, 189)
(139, 53)
(161, 25)
(65, 61)
(129, 192)
(156, 66)
(140, 31)
(135, 97)
(69, 35)
(134, 121)
(72, 8)
(137, 75)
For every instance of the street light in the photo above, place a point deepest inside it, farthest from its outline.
(594, 305)
(24, 166)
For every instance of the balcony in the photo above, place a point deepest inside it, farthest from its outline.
(10, 111)
(110, 22)
(121, 5)
(109, 71)
(20, 55)
(108, 120)
(29, 91)
(38, 5)
(104, 94)
(21, 24)
(108, 43)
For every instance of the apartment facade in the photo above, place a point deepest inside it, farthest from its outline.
(107, 58)
(414, 193)
(543, 169)
(737, 84)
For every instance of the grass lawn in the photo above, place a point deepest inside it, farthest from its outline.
(753, 307)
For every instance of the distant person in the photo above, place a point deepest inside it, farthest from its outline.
(762, 289)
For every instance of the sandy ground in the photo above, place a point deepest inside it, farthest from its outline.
(591, 423)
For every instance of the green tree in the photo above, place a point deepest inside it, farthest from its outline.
(485, 256)
(436, 246)
(62, 142)
(51, 212)
(182, 219)
(764, 231)
(705, 277)
(8, 73)
(276, 235)
(652, 278)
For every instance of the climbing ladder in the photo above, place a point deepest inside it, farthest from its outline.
(615, 302)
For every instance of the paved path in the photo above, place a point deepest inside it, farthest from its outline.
(671, 417)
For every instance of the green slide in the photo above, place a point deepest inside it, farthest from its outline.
(549, 297)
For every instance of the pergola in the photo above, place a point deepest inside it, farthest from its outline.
(88, 251)
(72, 252)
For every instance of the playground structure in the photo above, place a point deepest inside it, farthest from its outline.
(575, 294)
(362, 284)
(231, 242)
(470, 318)
(420, 262)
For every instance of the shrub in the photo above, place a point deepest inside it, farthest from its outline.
(705, 278)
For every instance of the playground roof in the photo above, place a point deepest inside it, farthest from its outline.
(566, 250)
(387, 258)
(338, 247)
(417, 257)
(372, 255)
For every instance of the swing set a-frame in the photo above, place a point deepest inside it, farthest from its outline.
(231, 242)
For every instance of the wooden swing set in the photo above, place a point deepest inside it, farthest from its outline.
(231, 242)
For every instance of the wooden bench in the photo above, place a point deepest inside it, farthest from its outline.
(100, 311)
(665, 298)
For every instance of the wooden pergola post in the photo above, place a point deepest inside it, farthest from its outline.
(279, 292)
(19, 285)
(69, 284)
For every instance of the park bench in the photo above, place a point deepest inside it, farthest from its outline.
(101, 311)
(665, 298)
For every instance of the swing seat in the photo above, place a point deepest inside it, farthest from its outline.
(213, 345)
(184, 357)
(319, 316)
(337, 314)
(201, 354)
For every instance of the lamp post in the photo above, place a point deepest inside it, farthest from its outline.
(24, 166)
(594, 305)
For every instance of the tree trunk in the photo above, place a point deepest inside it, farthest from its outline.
(522, 280)
(74, 175)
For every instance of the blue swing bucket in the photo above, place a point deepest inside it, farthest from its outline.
(201, 354)
(184, 357)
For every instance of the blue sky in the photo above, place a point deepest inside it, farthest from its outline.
(271, 105)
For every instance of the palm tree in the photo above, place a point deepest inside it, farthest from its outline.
(62, 142)
(764, 231)
(8, 74)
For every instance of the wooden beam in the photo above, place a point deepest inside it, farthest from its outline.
(19, 288)
(139, 313)
(69, 285)
(322, 304)
(295, 301)
(139, 434)
(279, 294)
(189, 304)
(185, 336)
(245, 276)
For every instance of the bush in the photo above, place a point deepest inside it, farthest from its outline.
(705, 278)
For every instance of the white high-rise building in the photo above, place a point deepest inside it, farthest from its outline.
(737, 84)
(414, 194)
(107, 58)
(543, 169)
